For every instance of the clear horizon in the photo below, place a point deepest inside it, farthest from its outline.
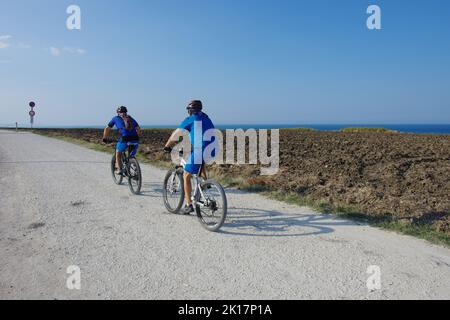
(402, 128)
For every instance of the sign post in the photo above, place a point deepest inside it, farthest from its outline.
(32, 113)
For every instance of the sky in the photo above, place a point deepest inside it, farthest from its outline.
(249, 61)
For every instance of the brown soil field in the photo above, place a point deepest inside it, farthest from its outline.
(405, 176)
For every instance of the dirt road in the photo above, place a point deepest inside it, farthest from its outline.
(59, 207)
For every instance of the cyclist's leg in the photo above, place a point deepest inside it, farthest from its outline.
(189, 169)
(188, 207)
(187, 187)
(135, 149)
(120, 148)
(118, 160)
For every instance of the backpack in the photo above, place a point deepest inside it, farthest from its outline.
(128, 122)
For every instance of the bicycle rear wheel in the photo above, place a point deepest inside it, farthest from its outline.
(173, 192)
(211, 209)
(116, 177)
(135, 176)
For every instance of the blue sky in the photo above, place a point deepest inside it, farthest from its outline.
(250, 61)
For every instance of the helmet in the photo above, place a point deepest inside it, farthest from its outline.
(195, 105)
(122, 109)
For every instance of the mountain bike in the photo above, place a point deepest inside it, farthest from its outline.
(208, 197)
(130, 168)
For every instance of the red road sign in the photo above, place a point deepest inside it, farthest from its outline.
(32, 113)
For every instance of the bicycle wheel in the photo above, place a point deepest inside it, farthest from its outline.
(116, 177)
(173, 192)
(212, 208)
(134, 176)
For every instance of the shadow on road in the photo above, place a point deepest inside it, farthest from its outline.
(264, 222)
(270, 223)
(152, 190)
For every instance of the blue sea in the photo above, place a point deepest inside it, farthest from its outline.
(406, 128)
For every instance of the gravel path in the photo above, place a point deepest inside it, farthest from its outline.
(59, 207)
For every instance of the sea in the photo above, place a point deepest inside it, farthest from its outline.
(406, 128)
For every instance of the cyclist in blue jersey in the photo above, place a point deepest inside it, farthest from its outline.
(129, 131)
(200, 122)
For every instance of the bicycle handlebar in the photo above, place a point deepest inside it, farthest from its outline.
(108, 141)
(169, 150)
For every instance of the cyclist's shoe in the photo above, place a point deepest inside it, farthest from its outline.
(187, 209)
(119, 172)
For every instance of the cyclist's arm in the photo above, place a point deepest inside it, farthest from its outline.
(172, 141)
(174, 138)
(137, 127)
(106, 132)
(108, 129)
(138, 131)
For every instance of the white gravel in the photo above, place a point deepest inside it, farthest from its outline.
(60, 207)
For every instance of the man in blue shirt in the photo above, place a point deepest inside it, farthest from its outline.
(129, 131)
(197, 124)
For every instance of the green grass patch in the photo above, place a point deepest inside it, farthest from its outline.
(426, 232)
(226, 181)
(105, 148)
(81, 142)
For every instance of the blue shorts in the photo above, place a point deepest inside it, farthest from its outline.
(122, 147)
(191, 167)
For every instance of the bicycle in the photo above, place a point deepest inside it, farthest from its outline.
(209, 198)
(130, 168)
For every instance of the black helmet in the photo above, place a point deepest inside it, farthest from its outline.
(122, 109)
(195, 105)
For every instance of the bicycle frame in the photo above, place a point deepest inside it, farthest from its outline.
(211, 208)
(197, 190)
(125, 156)
(129, 168)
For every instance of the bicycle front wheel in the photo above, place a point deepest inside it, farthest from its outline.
(173, 192)
(211, 208)
(135, 176)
